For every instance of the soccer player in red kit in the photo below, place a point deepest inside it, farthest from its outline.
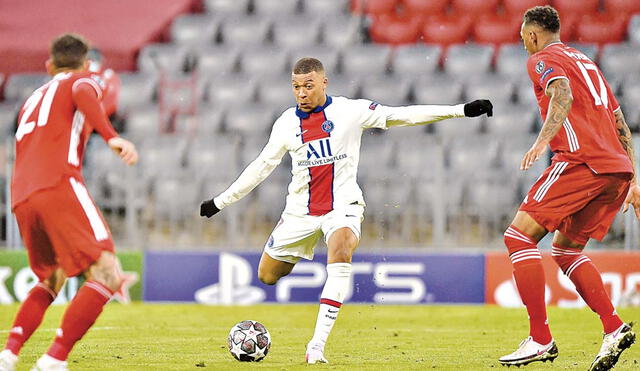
(591, 176)
(63, 231)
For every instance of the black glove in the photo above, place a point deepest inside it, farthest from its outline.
(478, 107)
(208, 208)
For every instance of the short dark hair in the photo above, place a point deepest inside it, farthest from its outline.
(69, 51)
(307, 65)
(544, 16)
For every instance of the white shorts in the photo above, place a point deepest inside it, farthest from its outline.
(296, 236)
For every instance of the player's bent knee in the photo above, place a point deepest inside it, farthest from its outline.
(106, 271)
(268, 278)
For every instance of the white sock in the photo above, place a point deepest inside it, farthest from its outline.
(335, 289)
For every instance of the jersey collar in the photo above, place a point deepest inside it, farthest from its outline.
(553, 43)
(304, 115)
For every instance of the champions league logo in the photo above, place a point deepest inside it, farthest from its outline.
(327, 126)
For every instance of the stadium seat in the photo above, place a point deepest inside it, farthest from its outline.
(231, 89)
(413, 148)
(590, 50)
(198, 29)
(136, 89)
(168, 58)
(171, 193)
(162, 156)
(498, 88)
(516, 8)
(325, 7)
(576, 7)
(634, 29)
(366, 60)
(511, 60)
(446, 29)
(469, 59)
(620, 60)
(144, 122)
(568, 23)
(374, 7)
(376, 154)
(292, 33)
(276, 92)
(243, 31)
(260, 61)
(8, 116)
(455, 128)
(227, 7)
(206, 123)
(600, 29)
(341, 32)
(437, 89)
(629, 103)
(219, 153)
(216, 60)
(20, 86)
(425, 8)
(387, 90)
(622, 7)
(497, 29)
(346, 86)
(512, 120)
(275, 7)
(251, 119)
(393, 30)
(469, 153)
(475, 7)
(412, 60)
(525, 94)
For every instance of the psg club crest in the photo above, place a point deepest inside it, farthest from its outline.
(327, 126)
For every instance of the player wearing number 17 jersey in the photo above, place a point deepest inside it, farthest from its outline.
(591, 176)
(63, 231)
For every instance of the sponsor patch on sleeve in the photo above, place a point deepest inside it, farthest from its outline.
(545, 74)
(373, 105)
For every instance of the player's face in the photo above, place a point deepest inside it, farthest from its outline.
(309, 89)
(529, 38)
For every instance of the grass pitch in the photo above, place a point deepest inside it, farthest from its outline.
(366, 337)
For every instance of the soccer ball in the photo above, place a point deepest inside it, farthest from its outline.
(249, 341)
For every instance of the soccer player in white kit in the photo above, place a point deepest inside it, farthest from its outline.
(322, 135)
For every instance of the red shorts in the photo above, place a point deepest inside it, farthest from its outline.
(62, 227)
(572, 199)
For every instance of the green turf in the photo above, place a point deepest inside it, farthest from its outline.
(366, 337)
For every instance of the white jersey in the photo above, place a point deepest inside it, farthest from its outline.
(324, 146)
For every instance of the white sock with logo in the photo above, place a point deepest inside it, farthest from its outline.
(333, 294)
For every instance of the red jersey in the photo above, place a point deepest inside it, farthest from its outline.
(589, 133)
(54, 127)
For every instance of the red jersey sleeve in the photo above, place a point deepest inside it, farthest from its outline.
(86, 95)
(543, 69)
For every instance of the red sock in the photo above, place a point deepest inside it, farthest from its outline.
(29, 316)
(83, 311)
(588, 281)
(529, 276)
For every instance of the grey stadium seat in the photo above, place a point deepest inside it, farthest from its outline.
(243, 31)
(143, 122)
(20, 86)
(499, 89)
(525, 94)
(231, 89)
(468, 59)
(325, 7)
(276, 92)
(590, 50)
(329, 57)
(512, 61)
(416, 59)
(249, 120)
(262, 60)
(227, 7)
(172, 195)
(198, 29)
(162, 155)
(634, 29)
(8, 115)
(218, 60)
(472, 155)
(170, 58)
(620, 60)
(206, 123)
(366, 60)
(456, 128)
(437, 89)
(341, 32)
(275, 7)
(136, 89)
(511, 120)
(292, 32)
(346, 86)
(215, 154)
(387, 90)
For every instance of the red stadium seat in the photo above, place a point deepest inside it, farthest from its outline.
(446, 29)
(576, 7)
(496, 29)
(622, 6)
(568, 26)
(518, 7)
(600, 29)
(395, 30)
(425, 8)
(374, 7)
(475, 7)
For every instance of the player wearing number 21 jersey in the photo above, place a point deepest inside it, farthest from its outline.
(591, 176)
(322, 135)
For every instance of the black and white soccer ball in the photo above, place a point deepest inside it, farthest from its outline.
(249, 341)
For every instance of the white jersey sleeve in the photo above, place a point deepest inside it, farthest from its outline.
(378, 116)
(256, 171)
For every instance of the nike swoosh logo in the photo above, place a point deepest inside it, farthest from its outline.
(332, 311)
(299, 134)
(351, 216)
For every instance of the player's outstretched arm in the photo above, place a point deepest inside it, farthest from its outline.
(561, 100)
(427, 114)
(624, 135)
